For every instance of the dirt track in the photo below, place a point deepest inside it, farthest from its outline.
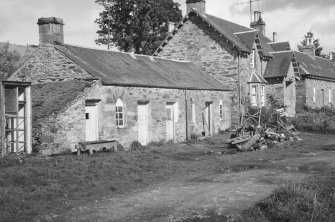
(244, 179)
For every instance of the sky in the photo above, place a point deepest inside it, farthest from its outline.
(291, 19)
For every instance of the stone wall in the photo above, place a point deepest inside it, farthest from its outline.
(48, 64)
(200, 44)
(275, 88)
(319, 86)
(300, 95)
(63, 131)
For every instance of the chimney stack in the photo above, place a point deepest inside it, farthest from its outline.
(274, 39)
(50, 30)
(258, 22)
(309, 48)
(198, 5)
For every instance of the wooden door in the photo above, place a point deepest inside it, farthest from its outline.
(170, 123)
(92, 126)
(143, 123)
(209, 117)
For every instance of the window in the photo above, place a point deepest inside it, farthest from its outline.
(192, 111)
(169, 113)
(330, 96)
(119, 110)
(221, 110)
(262, 96)
(253, 59)
(314, 94)
(323, 96)
(254, 95)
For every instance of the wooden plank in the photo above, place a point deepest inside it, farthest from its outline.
(241, 141)
(289, 128)
(28, 121)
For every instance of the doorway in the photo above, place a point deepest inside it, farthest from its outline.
(143, 122)
(170, 121)
(208, 118)
(92, 120)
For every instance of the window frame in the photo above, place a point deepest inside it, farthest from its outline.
(252, 95)
(330, 96)
(253, 59)
(119, 114)
(262, 95)
(221, 110)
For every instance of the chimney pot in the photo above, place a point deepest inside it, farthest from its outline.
(274, 37)
(50, 30)
(198, 5)
(258, 23)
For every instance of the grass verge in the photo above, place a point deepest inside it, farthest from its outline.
(311, 200)
(33, 186)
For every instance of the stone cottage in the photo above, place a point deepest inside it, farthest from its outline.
(226, 51)
(82, 94)
(300, 79)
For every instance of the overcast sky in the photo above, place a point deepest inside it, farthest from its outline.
(291, 19)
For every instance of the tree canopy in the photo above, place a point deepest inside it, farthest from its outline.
(316, 43)
(136, 25)
(8, 60)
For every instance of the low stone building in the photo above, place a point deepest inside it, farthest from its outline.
(229, 52)
(300, 79)
(82, 94)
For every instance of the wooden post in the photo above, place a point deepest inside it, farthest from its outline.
(186, 116)
(28, 121)
(2, 120)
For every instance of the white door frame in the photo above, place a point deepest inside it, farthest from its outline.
(143, 122)
(92, 120)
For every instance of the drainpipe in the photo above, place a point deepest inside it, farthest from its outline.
(239, 88)
(186, 115)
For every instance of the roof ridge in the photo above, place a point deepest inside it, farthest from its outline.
(236, 33)
(128, 53)
(281, 51)
(278, 42)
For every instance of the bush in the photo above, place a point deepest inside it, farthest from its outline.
(315, 120)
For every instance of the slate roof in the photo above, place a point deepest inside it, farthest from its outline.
(51, 98)
(124, 69)
(280, 46)
(228, 29)
(264, 42)
(318, 67)
(248, 38)
(257, 78)
(279, 65)
(239, 36)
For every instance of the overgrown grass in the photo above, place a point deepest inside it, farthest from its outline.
(315, 120)
(32, 186)
(311, 200)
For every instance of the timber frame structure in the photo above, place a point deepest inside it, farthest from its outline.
(15, 117)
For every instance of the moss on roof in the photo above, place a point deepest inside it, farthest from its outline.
(50, 98)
